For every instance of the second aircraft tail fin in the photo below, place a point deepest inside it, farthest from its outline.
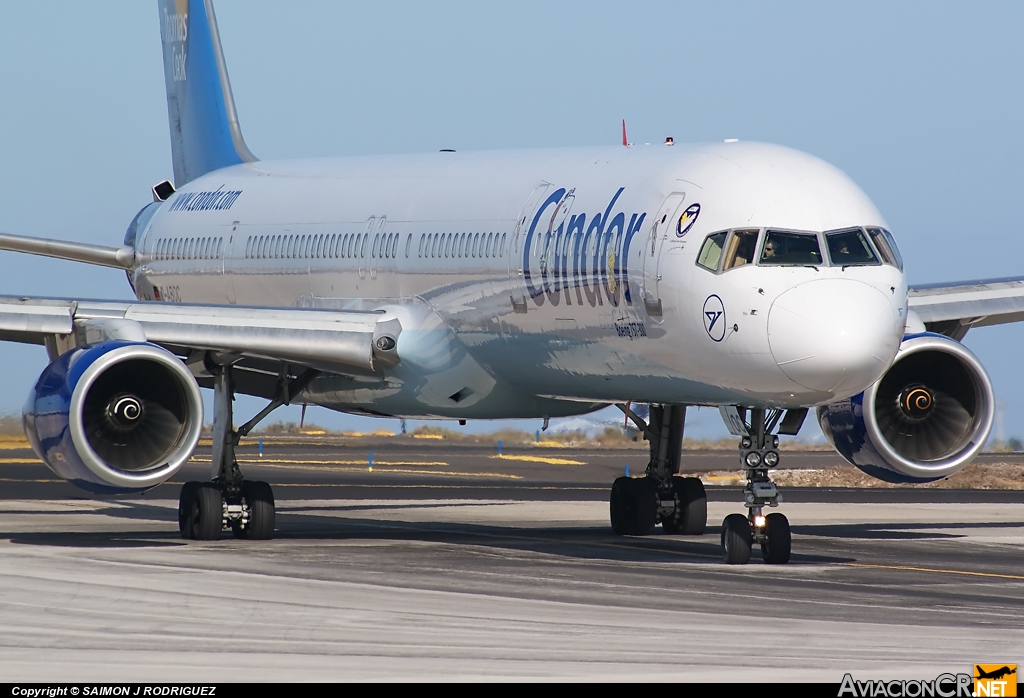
(205, 135)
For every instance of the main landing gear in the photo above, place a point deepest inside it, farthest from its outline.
(205, 509)
(758, 453)
(662, 495)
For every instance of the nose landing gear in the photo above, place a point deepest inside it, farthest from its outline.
(662, 495)
(758, 453)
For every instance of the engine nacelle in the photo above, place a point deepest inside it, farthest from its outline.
(924, 420)
(115, 417)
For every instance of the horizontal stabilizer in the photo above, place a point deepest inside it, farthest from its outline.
(117, 257)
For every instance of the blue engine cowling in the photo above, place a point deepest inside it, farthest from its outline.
(924, 420)
(115, 417)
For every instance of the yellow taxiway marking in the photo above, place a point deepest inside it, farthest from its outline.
(13, 445)
(362, 466)
(728, 478)
(936, 570)
(271, 462)
(540, 459)
(506, 476)
(20, 460)
(18, 479)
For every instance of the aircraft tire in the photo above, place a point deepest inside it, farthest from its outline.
(778, 541)
(207, 512)
(634, 506)
(186, 502)
(260, 498)
(692, 517)
(736, 539)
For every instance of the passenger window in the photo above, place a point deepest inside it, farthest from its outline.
(849, 247)
(795, 249)
(741, 248)
(711, 251)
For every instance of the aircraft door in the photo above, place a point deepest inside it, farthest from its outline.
(379, 246)
(225, 264)
(363, 250)
(657, 238)
(516, 276)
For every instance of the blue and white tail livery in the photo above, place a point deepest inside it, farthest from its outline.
(205, 135)
(489, 285)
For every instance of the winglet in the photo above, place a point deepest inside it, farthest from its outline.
(624, 141)
(205, 134)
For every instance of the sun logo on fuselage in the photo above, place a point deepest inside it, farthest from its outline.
(687, 220)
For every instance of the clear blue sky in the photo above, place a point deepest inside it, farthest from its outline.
(919, 102)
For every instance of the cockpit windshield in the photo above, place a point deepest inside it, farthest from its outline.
(794, 249)
(711, 251)
(741, 248)
(849, 247)
(886, 246)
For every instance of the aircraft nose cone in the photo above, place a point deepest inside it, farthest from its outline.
(833, 335)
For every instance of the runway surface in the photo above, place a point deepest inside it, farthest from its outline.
(495, 569)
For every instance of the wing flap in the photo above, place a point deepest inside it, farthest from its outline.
(319, 338)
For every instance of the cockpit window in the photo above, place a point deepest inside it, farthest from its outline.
(886, 246)
(849, 247)
(795, 249)
(711, 251)
(882, 245)
(741, 248)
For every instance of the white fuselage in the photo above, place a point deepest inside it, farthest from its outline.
(544, 283)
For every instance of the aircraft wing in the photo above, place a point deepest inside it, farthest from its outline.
(323, 339)
(952, 309)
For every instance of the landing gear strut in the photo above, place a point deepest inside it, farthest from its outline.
(662, 495)
(205, 509)
(758, 454)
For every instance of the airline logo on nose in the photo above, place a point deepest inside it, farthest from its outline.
(714, 318)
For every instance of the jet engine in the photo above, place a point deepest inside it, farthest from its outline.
(925, 418)
(115, 417)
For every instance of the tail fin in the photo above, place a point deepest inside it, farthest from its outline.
(204, 126)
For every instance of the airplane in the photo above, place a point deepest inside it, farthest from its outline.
(494, 285)
(994, 674)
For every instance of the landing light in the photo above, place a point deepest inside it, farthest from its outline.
(771, 459)
(759, 521)
(753, 459)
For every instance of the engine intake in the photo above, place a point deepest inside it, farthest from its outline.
(115, 417)
(924, 420)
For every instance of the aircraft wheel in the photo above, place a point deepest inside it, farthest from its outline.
(634, 506)
(186, 502)
(206, 513)
(692, 516)
(777, 543)
(259, 497)
(736, 539)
